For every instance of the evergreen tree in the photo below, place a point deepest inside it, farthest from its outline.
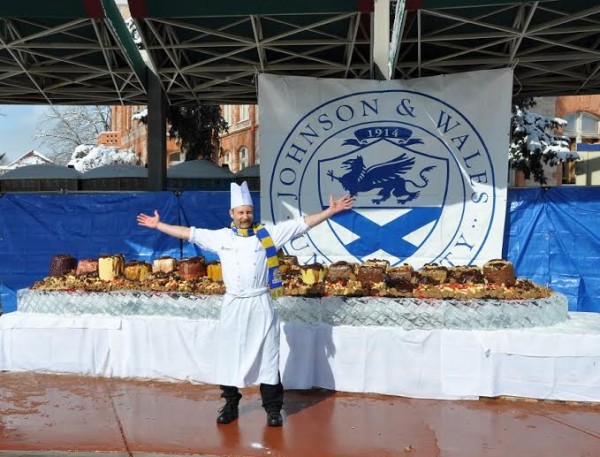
(196, 129)
(534, 143)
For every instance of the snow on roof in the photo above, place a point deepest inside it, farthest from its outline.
(42, 171)
(116, 171)
(31, 157)
(202, 168)
(250, 172)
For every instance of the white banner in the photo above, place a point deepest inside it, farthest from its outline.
(426, 160)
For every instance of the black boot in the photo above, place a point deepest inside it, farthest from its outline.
(274, 419)
(229, 412)
(272, 398)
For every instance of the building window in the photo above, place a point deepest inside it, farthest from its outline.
(582, 125)
(244, 113)
(227, 159)
(228, 113)
(571, 126)
(244, 157)
(589, 125)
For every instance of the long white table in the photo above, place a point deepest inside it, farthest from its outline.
(559, 362)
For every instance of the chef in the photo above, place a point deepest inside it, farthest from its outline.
(247, 341)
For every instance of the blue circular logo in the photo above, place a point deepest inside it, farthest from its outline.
(421, 175)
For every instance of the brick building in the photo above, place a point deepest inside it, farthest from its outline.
(127, 132)
(239, 147)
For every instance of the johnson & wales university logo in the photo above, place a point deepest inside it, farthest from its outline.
(421, 175)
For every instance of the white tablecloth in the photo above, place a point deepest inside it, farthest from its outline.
(559, 362)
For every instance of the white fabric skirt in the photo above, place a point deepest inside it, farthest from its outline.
(248, 341)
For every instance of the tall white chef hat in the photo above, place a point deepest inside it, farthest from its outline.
(240, 195)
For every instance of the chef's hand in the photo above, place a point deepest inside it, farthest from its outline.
(148, 221)
(343, 204)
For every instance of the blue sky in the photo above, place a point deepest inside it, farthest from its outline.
(17, 129)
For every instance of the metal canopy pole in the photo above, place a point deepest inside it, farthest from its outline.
(381, 40)
(157, 134)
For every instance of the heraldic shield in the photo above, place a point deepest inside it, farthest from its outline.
(400, 196)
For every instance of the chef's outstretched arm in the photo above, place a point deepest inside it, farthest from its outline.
(154, 222)
(335, 206)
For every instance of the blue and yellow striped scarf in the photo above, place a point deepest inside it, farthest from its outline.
(275, 282)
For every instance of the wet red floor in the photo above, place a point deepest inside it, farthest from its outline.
(40, 412)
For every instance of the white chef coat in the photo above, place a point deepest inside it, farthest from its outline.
(247, 345)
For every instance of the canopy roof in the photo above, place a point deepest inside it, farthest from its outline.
(202, 169)
(211, 51)
(68, 52)
(80, 51)
(249, 172)
(116, 171)
(41, 171)
(554, 46)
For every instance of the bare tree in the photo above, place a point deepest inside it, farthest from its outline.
(63, 128)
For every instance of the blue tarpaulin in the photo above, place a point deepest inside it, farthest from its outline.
(551, 238)
(207, 210)
(35, 227)
(550, 235)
